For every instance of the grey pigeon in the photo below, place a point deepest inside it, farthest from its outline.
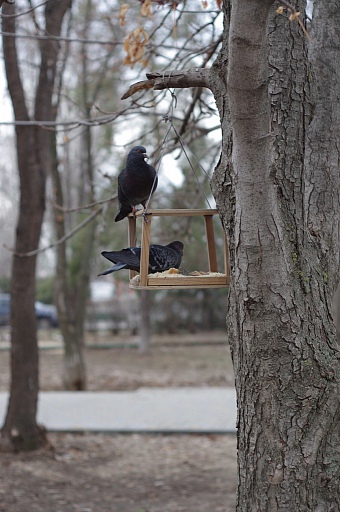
(135, 183)
(161, 257)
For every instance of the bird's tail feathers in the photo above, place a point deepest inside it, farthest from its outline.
(123, 212)
(114, 268)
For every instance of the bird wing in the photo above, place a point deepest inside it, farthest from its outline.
(162, 258)
(124, 206)
(130, 257)
(137, 181)
(153, 186)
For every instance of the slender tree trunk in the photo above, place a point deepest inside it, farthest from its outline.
(72, 289)
(74, 374)
(20, 430)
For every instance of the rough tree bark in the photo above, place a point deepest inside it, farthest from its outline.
(277, 190)
(280, 326)
(20, 430)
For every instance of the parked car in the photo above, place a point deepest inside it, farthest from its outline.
(46, 313)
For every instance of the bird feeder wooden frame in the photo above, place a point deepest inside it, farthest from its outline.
(147, 282)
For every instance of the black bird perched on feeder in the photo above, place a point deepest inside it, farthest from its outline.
(136, 183)
(161, 257)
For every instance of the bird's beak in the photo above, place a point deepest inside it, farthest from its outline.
(146, 156)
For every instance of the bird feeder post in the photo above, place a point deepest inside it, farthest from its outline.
(209, 229)
(145, 248)
(132, 240)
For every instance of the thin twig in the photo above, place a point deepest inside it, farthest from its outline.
(23, 12)
(61, 240)
(84, 207)
(61, 38)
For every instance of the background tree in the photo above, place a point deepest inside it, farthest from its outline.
(20, 428)
(74, 187)
(9, 203)
(73, 272)
(30, 109)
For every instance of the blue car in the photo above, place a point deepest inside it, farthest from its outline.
(46, 313)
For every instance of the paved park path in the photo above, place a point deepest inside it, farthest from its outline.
(163, 410)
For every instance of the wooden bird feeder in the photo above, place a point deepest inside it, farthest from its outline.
(212, 279)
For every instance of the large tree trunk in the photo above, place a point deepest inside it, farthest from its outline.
(20, 430)
(284, 253)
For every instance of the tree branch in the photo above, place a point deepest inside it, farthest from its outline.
(184, 78)
(61, 240)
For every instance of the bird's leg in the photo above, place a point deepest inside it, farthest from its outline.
(134, 211)
(145, 215)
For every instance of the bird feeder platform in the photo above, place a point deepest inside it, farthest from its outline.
(211, 279)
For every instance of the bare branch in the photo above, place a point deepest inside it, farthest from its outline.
(60, 38)
(184, 78)
(138, 86)
(193, 77)
(85, 206)
(63, 239)
(21, 13)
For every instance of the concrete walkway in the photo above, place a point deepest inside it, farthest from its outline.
(168, 410)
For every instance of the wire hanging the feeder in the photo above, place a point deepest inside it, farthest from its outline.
(168, 280)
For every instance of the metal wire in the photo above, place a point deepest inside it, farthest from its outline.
(168, 118)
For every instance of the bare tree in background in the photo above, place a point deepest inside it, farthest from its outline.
(34, 157)
(20, 430)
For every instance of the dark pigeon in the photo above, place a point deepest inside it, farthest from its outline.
(161, 257)
(135, 182)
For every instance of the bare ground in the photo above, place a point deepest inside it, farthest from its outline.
(128, 473)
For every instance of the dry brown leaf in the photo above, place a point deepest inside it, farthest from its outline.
(279, 10)
(219, 4)
(145, 9)
(144, 62)
(204, 4)
(134, 45)
(122, 13)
